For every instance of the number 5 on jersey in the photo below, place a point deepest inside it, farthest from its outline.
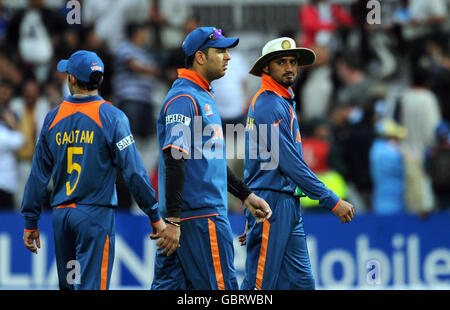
(71, 166)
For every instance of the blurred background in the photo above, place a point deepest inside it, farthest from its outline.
(374, 114)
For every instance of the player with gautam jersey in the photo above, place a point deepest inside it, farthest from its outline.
(82, 143)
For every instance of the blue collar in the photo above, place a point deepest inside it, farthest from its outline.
(83, 99)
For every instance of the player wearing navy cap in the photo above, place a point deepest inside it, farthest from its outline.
(82, 142)
(193, 174)
(277, 255)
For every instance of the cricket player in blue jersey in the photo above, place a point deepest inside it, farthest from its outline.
(82, 143)
(193, 174)
(277, 255)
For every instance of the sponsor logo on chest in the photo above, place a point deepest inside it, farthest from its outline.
(208, 110)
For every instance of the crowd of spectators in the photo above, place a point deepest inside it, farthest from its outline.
(383, 90)
(373, 110)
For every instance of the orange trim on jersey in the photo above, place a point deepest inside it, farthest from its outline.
(176, 147)
(260, 91)
(277, 123)
(298, 138)
(262, 255)
(104, 268)
(31, 230)
(269, 84)
(292, 117)
(71, 205)
(184, 95)
(338, 203)
(90, 109)
(196, 78)
(215, 255)
(199, 216)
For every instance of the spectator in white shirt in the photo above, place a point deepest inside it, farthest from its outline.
(11, 139)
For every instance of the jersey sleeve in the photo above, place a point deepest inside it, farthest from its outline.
(291, 162)
(179, 122)
(36, 186)
(126, 157)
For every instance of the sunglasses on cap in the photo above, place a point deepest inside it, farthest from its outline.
(215, 35)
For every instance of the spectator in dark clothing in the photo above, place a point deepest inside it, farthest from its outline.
(440, 82)
(69, 44)
(353, 135)
(426, 23)
(438, 164)
(32, 34)
(357, 87)
(356, 154)
(359, 12)
(157, 20)
(175, 58)
(135, 71)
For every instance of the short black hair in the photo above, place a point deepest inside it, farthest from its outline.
(419, 75)
(95, 80)
(189, 60)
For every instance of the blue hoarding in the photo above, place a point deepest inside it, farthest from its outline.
(371, 252)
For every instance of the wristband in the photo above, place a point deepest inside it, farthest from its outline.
(176, 224)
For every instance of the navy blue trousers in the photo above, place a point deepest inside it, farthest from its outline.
(84, 246)
(277, 254)
(204, 261)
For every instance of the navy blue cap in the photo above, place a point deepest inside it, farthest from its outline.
(204, 37)
(81, 64)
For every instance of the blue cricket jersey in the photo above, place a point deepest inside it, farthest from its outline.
(189, 123)
(273, 107)
(82, 143)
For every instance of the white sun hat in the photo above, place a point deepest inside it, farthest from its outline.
(279, 46)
